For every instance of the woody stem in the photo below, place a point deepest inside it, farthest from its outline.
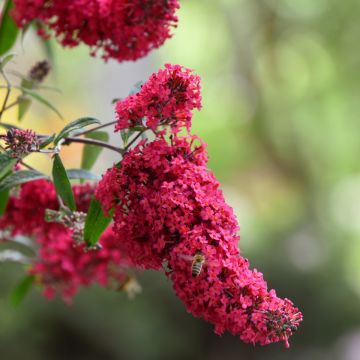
(69, 140)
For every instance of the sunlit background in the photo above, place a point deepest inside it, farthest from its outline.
(281, 89)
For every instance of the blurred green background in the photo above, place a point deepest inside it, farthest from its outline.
(280, 114)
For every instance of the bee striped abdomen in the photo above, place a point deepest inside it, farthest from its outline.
(197, 264)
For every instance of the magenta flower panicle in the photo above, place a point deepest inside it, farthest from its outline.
(119, 29)
(167, 98)
(61, 265)
(168, 207)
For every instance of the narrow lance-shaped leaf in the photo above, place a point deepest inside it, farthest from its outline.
(42, 100)
(62, 183)
(82, 174)
(5, 60)
(125, 135)
(47, 141)
(24, 31)
(6, 163)
(4, 197)
(47, 45)
(96, 223)
(48, 48)
(8, 126)
(9, 255)
(71, 128)
(8, 28)
(21, 290)
(27, 84)
(24, 103)
(20, 177)
(91, 152)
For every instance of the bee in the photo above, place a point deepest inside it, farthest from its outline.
(197, 264)
(131, 287)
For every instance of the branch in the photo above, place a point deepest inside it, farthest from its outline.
(69, 140)
(96, 128)
(26, 165)
(133, 140)
(10, 105)
(8, 89)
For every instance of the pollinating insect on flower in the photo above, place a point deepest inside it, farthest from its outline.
(178, 215)
(158, 207)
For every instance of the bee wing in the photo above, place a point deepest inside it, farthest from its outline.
(186, 257)
(210, 263)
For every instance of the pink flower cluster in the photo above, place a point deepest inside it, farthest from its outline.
(60, 265)
(167, 98)
(20, 142)
(121, 29)
(168, 207)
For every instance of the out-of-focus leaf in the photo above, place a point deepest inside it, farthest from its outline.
(6, 163)
(8, 126)
(82, 174)
(47, 141)
(20, 177)
(39, 98)
(24, 103)
(27, 84)
(125, 135)
(24, 31)
(91, 152)
(62, 183)
(136, 88)
(21, 290)
(71, 128)
(13, 256)
(6, 59)
(47, 45)
(4, 197)
(96, 223)
(8, 29)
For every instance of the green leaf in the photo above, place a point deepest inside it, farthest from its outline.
(21, 290)
(62, 183)
(8, 126)
(47, 141)
(72, 128)
(47, 45)
(27, 84)
(114, 101)
(82, 174)
(8, 29)
(6, 163)
(13, 256)
(48, 48)
(6, 59)
(20, 177)
(39, 98)
(24, 103)
(125, 135)
(136, 88)
(91, 152)
(24, 31)
(96, 223)
(4, 197)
